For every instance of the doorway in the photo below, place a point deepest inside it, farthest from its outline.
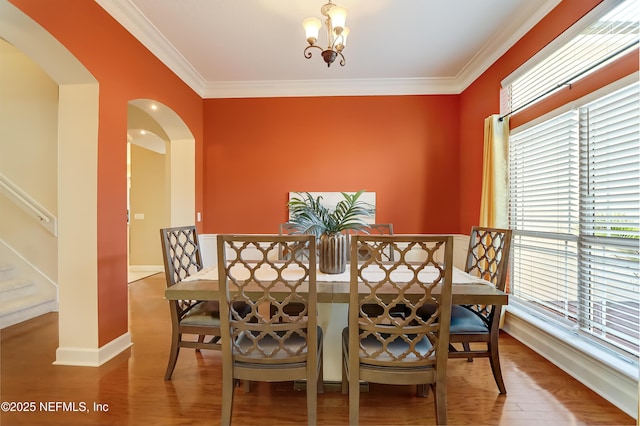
(161, 181)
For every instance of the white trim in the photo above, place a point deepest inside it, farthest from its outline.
(335, 87)
(27, 313)
(500, 44)
(134, 21)
(88, 357)
(146, 268)
(208, 249)
(606, 374)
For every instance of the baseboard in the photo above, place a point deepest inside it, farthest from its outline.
(609, 376)
(88, 357)
(28, 313)
(146, 268)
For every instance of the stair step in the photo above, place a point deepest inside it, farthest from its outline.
(8, 285)
(6, 271)
(10, 306)
(15, 286)
(23, 308)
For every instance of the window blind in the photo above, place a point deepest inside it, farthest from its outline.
(616, 31)
(544, 214)
(610, 217)
(574, 184)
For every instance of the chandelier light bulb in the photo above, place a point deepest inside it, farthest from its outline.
(341, 40)
(338, 15)
(311, 29)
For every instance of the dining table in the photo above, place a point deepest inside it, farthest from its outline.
(333, 300)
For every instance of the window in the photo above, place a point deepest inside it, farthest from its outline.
(610, 219)
(596, 44)
(574, 183)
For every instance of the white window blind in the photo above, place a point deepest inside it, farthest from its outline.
(616, 32)
(544, 213)
(574, 207)
(610, 217)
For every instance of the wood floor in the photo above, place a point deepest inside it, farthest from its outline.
(131, 389)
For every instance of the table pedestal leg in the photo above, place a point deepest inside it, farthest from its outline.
(332, 317)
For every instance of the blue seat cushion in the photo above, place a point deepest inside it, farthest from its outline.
(400, 351)
(463, 320)
(263, 348)
(208, 313)
(204, 314)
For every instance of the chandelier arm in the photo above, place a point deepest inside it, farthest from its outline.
(309, 54)
(330, 37)
(339, 40)
(342, 59)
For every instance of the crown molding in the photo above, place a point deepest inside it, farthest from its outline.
(499, 44)
(351, 87)
(132, 19)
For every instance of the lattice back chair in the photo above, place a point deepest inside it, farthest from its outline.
(182, 258)
(487, 258)
(288, 229)
(398, 349)
(365, 254)
(374, 229)
(284, 253)
(261, 346)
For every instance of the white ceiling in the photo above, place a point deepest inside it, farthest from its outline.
(254, 48)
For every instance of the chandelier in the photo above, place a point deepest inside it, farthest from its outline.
(337, 33)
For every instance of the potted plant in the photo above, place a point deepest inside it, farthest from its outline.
(309, 216)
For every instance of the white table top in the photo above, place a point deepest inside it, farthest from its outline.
(334, 288)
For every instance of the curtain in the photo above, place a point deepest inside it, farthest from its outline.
(494, 207)
(494, 201)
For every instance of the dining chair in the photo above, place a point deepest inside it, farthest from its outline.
(487, 258)
(375, 229)
(261, 345)
(182, 258)
(386, 255)
(398, 349)
(288, 229)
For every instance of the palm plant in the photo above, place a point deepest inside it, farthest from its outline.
(309, 216)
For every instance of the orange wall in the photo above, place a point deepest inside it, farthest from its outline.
(125, 70)
(482, 99)
(404, 148)
(239, 133)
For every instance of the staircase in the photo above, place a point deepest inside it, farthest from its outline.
(25, 290)
(23, 295)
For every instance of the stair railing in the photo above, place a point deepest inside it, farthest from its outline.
(29, 205)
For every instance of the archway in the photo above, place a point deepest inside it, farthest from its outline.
(77, 184)
(77, 137)
(162, 171)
